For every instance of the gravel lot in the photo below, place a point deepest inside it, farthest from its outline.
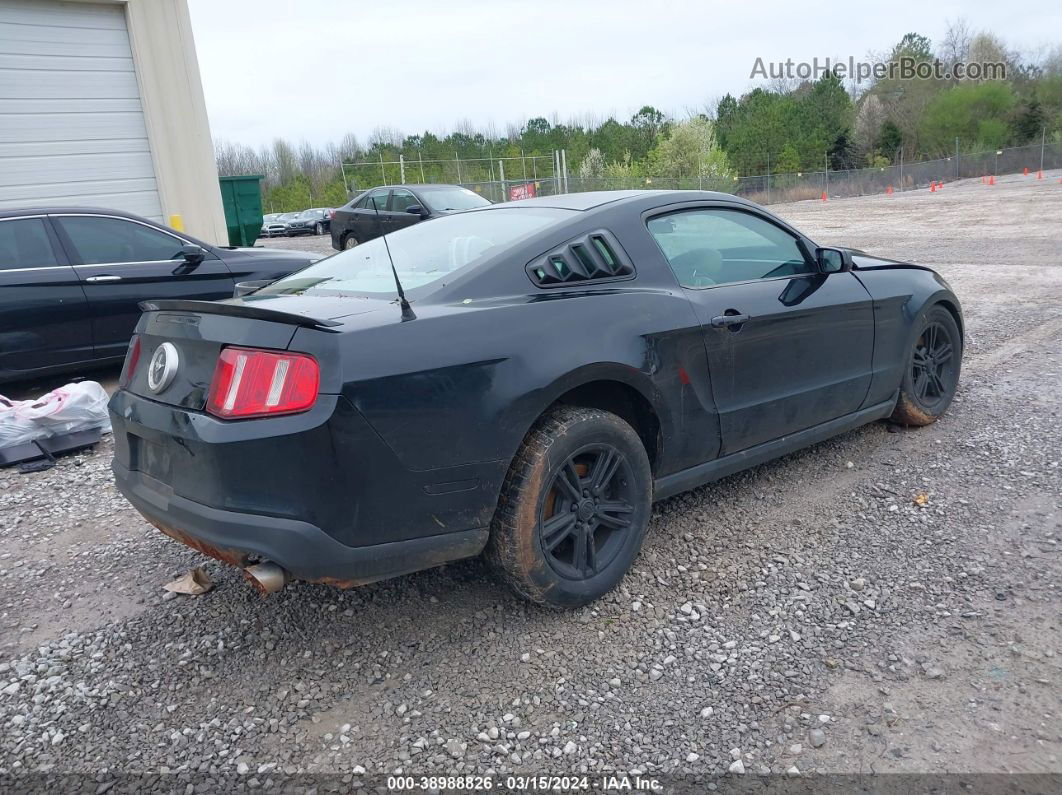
(805, 616)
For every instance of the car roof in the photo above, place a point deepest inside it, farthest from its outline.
(64, 210)
(415, 186)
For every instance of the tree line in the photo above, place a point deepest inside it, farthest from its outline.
(786, 126)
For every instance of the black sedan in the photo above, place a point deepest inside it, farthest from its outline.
(393, 207)
(310, 222)
(560, 363)
(71, 279)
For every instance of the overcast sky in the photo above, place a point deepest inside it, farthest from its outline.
(316, 70)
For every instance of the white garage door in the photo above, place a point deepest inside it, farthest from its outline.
(71, 125)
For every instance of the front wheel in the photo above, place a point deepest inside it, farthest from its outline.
(318, 228)
(932, 372)
(349, 242)
(573, 510)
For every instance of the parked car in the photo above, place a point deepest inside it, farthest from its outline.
(286, 219)
(311, 222)
(399, 206)
(272, 226)
(556, 365)
(71, 279)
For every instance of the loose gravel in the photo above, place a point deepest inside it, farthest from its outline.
(885, 601)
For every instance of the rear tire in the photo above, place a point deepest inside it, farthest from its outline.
(931, 374)
(573, 510)
(318, 228)
(349, 242)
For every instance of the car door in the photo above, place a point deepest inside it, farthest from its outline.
(364, 220)
(789, 347)
(122, 262)
(44, 315)
(399, 218)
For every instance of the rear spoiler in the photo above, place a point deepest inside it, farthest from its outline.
(234, 310)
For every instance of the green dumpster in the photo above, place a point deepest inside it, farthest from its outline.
(242, 199)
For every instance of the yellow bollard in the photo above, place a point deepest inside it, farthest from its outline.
(176, 223)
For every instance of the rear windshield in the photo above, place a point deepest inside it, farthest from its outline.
(455, 198)
(424, 254)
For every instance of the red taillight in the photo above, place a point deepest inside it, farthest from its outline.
(255, 383)
(132, 356)
(331, 214)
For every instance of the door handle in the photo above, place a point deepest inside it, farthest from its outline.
(96, 279)
(725, 321)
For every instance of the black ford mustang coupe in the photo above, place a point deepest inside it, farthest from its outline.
(560, 364)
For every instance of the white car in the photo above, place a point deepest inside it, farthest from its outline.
(272, 226)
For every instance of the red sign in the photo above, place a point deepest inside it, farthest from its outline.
(525, 191)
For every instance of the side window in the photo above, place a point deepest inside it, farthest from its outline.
(718, 246)
(363, 203)
(379, 198)
(401, 199)
(106, 240)
(24, 244)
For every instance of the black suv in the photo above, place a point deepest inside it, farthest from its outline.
(393, 207)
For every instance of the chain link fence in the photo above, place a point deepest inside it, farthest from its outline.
(775, 188)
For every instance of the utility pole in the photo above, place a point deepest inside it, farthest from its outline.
(826, 158)
(501, 176)
(1043, 138)
(901, 168)
(458, 159)
(564, 168)
(956, 158)
(402, 168)
(422, 180)
(383, 174)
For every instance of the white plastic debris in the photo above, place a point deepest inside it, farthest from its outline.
(74, 407)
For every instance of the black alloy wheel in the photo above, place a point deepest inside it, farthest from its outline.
(586, 512)
(931, 376)
(573, 509)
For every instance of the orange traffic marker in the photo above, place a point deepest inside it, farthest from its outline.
(933, 186)
(992, 180)
(888, 190)
(824, 195)
(1040, 174)
(1026, 172)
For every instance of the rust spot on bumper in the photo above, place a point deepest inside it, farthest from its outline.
(463, 546)
(233, 557)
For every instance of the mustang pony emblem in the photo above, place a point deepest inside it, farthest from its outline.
(163, 367)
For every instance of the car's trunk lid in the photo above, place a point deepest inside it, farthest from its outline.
(198, 330)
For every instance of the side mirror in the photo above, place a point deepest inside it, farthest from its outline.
(416, 209)
(833, 260)
(246, 288)
(193, 254)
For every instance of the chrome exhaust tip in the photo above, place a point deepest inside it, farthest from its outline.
(266, 577)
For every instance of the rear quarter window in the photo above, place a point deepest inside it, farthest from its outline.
(24, 243)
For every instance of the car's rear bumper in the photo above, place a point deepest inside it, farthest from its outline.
(318, 493)
(305, 550)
